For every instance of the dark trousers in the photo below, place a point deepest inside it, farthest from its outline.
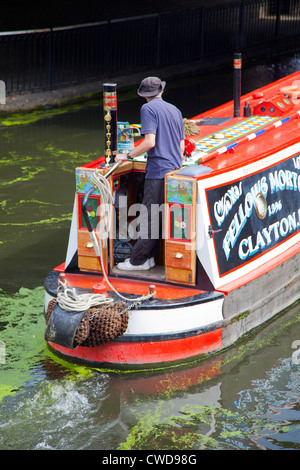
(150, 232)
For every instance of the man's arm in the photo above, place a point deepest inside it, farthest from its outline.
(147, 144)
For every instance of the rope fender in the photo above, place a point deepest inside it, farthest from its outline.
(99, 324)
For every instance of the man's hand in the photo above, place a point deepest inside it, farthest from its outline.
(146, 144)
(121, 157)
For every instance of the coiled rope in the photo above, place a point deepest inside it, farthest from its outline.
(69, 300)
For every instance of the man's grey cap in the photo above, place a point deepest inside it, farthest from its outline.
(151, 86)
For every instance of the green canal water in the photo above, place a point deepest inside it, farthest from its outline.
(246, 398)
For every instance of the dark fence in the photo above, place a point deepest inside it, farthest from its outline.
(51, 58)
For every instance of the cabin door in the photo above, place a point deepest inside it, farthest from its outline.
(180, 229)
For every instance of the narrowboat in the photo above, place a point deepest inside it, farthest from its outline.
(229, 257)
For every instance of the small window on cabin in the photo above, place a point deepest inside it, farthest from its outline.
(180, 222)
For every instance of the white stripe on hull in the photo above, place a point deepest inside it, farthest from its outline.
(174, 320)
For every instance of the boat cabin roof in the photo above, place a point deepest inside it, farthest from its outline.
(273, 124)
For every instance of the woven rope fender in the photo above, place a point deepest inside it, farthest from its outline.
(99, 324)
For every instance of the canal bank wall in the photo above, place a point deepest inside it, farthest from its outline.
(31, 101)
(56, 64)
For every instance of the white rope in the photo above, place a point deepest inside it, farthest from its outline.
(69, 300)
(106, 198)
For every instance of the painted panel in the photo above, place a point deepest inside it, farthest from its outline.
(93, 204)
(179, 190)
(251, 216)
(252, 124)
(180, 222)
(83, 182)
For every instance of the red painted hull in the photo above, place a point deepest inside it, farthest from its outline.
(120, 353)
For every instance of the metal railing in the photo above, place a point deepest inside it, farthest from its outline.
(55, 57)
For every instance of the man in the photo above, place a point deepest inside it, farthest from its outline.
(162, 127)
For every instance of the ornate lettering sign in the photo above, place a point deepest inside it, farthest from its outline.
(254, 214)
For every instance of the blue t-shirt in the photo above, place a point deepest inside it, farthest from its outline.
(165, 121)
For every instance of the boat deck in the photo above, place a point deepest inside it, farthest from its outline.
(166, 295)
(156, 274)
